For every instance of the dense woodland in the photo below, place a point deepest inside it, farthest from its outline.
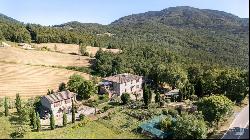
(173, 46)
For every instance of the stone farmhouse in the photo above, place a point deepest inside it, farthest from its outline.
(121, 83)
(57, 103)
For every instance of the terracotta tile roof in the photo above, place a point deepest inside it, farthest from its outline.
(122, 78)
(59, 96)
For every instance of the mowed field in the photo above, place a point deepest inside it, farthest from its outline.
(25, 72)
(34, 57)
(71, 48)
(31, 81)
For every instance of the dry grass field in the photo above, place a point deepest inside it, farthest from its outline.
(30, 81)
(21, 56)
(23, 71)
(71, 48)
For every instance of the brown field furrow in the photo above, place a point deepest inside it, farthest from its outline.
(21, 56)
(72, 48)
(31, 80)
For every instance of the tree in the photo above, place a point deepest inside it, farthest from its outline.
(188, 126)
(166, 124)
(215, 107)
(6, 107)
(52, 121)
(38, 122)
(199, 88)
(82, 116)
(233, 84)
(74, 82)
(147, 95)
(73, 112)
(50, 92)
(24, 115)
(18, 103)
(33, 120)
(64, 119)
(157, 97)
(62, 87)
(125, 97)
(86, 89)
(83, 51)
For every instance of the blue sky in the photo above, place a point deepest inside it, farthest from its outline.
(51, 12)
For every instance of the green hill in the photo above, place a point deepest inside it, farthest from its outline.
(199, 35)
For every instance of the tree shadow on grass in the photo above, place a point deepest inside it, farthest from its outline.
(14, 119)
(114, 103)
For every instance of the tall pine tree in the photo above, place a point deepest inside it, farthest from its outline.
(147, 96)
(6, 107)
(64, 119)
(38, 122)
(18, 103)
(73, 112)
(52, 121)
(33, 120)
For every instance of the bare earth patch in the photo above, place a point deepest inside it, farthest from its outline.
(21, 56)
(31, 81)
(72, 48)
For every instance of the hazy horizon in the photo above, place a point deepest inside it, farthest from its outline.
(104, 12)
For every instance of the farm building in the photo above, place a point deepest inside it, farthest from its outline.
(121, 83)
(174, 92)
(58, 102)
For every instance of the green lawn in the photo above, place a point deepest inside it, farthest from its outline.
(92, 130)
(5, 128)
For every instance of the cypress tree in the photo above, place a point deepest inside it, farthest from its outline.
(73, 112)
(64, 119)
(33, 119)
(38, 122)
(52, 121)
(157, 97)
(6, 107)
(147, 96)
(18, 103)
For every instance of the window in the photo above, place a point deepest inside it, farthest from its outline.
(56, 104)
(125, 90)
(137, 80)
(137, 86)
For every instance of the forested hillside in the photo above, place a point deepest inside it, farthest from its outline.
(197, 35)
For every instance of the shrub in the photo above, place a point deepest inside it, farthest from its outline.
(62, 86)
(188, 126)
(125, 98)
(215, 107)
(19, 132)
(166, 124)
(165, 111)
(105, 108)
(81, 117)
(84, 122)
(162, 103)
(173, 112)
(194, 97)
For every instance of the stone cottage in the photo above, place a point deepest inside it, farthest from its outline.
(58, 102)
(122, 83)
